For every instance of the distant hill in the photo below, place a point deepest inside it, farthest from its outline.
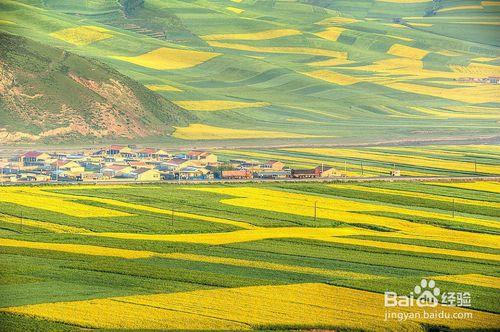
(51, 95)
(292, 71)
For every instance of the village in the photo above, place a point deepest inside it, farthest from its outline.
(128, 163)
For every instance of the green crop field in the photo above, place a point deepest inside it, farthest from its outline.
(275, 256)
(297, 71)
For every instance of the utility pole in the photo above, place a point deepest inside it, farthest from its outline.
(315, 211)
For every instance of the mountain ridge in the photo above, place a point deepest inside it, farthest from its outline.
(52, 95)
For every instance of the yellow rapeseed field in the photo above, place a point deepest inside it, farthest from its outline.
(259, 35)
(284, 50)
(476, 69)
(163, 87)
(368, 170)
(413, 248)
(235, 10)
(82, 249)
(422, 25)
(333, 77)
(311, 304)
(348, 211)
(169, 58)
(83, 35)
(63, 203)
(492, 186)
(198, 131)
(331, 33)
(471, 279)
(271, 266)
(407, 52)
(490, 3)
(217, 105)
(449, 9)
(52, 227)
(413, 194)
(406, 160)
(465, 114)
(475, 94)
(245, 235)
(38, 199)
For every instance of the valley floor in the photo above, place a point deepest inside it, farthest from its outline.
(248, 256)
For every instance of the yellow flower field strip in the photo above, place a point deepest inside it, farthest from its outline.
(283, 50)
(328, 207)
(449, 9)
(471, 279)
(235, 10)
(345, 210)
(368, 170)
(475, 94)
(271, 266)
(331, 33)
(119, 314)
(197, 131)
(169, 58)
(423, 25)
(458, 115)
(153, 209)
(407, 229)
(245, 235)
(399, 37)
(83, 35)
(490, 3)
(492, 186)
(407, 51)
(163, 87)
(260, 35)
(310, 304)
(333, 77)
(82, 249)
(435, 150)
(217, 105)
(135, 254)
(60, 204)
(397, 159)
(418, 195)
(402, 68)
(413, 248)
(53, 227)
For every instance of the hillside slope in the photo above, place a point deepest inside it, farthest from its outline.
(50, 95)
(315, 71)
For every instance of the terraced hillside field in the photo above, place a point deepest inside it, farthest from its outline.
(298, 71)
(245, 257)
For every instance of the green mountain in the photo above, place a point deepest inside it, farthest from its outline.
(283, 72)
(51, 95)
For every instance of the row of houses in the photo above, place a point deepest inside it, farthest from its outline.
(128, 163)
(115, 162)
